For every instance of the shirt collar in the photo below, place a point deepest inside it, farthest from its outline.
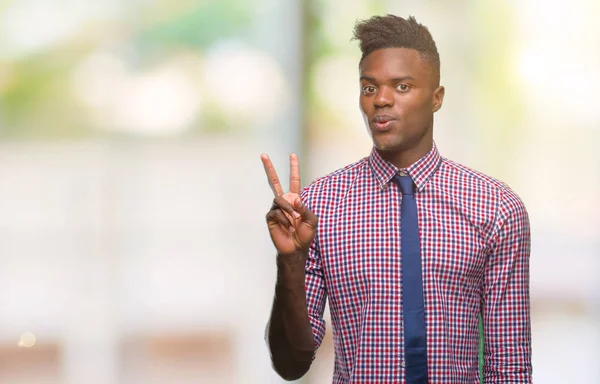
(420, 171)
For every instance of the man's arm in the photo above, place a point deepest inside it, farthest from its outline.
(506, 307)
(297, 312)
(292, 227)
(289, 334)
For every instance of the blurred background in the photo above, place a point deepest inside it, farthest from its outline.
(133, 247)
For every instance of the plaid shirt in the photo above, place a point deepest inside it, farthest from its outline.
(475, 246)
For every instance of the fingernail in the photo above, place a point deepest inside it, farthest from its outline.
(296, 215)
(292, 229)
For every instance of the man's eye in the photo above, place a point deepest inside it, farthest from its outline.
(403, 87)
(369, 89)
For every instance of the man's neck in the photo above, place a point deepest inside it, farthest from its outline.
(405, 158)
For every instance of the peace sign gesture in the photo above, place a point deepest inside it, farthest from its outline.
(291, 225)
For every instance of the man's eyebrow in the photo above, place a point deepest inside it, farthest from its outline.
(367, 78)
(394, 80)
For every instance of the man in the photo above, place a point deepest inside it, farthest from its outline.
(409, 247)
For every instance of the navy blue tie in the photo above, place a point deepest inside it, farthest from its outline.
(415, 335)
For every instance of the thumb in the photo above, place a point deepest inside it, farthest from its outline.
(307, 216)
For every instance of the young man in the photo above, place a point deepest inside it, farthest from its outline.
(409, 247)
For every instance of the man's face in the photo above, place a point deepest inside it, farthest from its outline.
(399, 94)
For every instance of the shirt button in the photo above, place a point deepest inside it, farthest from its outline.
(403, 364)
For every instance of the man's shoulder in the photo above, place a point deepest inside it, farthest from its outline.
(479, 182)
(325, 186)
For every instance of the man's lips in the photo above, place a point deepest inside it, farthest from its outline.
(382, 119)
(382, 122)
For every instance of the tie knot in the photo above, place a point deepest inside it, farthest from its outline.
(405, 183)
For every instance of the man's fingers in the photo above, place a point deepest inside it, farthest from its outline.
(294, 174)
(307, 216)
(277, 217)
(286, 206)
(271, 175)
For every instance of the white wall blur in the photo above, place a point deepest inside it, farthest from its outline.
(110, 248)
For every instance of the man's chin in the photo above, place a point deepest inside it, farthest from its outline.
(387, 146)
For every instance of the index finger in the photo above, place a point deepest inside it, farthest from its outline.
(294, 174)
(271, 175)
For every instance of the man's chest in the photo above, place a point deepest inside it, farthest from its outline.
(360, 243)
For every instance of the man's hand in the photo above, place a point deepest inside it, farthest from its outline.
(291, 225)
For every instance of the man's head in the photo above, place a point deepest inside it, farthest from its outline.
(391, 31)
(399, 77)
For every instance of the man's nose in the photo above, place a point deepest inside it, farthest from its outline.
(384, 97)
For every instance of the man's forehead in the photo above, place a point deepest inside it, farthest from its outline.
(393, 62)
(390, 55)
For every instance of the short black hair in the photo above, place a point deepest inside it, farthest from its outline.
(392, 31)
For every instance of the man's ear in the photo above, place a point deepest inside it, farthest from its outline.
(438, 98)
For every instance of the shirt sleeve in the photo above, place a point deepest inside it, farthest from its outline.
(316, 293)
(506, 306)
